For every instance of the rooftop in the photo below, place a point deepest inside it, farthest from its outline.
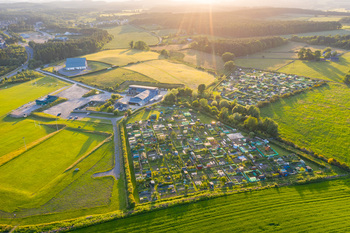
(75, 62)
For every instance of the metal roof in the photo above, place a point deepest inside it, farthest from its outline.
(75, 62)
(143, 87)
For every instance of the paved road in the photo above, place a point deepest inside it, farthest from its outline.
(71, 81)
(115, 172)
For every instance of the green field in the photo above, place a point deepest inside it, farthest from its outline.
(122, 57)
(326, 70)
(202, 59)
(278, 57)
(318, 119)
(112, 77)
(320, 207)
(12, 132)
(168, 72)
(26, 92)
(263, 64)
(124, 34)
(47, 162)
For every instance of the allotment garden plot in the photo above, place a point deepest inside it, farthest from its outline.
(174, 153)
(250, 88)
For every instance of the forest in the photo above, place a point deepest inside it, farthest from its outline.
(229, 24)
(332, 41)
(55, 51)
(239, 47)
(11, 57)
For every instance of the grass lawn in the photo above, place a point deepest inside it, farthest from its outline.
(37, 169)
(126, 33)
(168, 72)
(13, 130)
(319, 207)
(110, 78)
(318, 119)
(15, 95)
(327, 70)
(122, 57)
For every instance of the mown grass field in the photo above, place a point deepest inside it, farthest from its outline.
(12, 132)
(319, 207)
(168, 72)
(318, 119)
(122, 57)
(15, 95)
(326, 70)
(29, 173)
(126, 33)
(112, 77)
(35, 185)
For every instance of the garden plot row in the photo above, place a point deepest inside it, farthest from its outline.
(177, 154)
(257, 86)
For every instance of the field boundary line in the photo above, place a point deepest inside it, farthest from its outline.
(89, 153)
(12, 155)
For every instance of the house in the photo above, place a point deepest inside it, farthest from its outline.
(76, 63)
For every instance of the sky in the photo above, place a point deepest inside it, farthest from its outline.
(306, 4)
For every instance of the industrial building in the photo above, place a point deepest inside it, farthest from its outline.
(142, 94)
(47, 100)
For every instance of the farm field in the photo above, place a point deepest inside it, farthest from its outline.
(327, 70)
(179, 154)
(276, 58)
(168, 72)
(124, 34)
(318, 207)
(110, 78)
(318, 120)
(202, 59)
(26, 92)
(122, 57)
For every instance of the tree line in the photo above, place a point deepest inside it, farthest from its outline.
(11, 57)
(333, 41)
(230, 112)
(229, 24)
(24, 76)
(55, 51)
(239, 47)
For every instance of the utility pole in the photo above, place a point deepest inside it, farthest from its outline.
(24, 140)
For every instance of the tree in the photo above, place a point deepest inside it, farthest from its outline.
(223, 180)
(229, 66)
(141, 45)
(223, 113)
(116, 112)
(170, 98)
(110, 109)
(328, 49)
(203, 103)
(165, 53)
(253, 111)
(224, 104)
(251, 123)
(201, 88)
(195, 104)
(131, 44)
(270, 126)
(328, 55)
(347, 78)
(301, 54)
(317, 55)
(240, 109)
(228, 57)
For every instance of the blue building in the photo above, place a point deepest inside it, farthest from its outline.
(49, 99)
(76, 63)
